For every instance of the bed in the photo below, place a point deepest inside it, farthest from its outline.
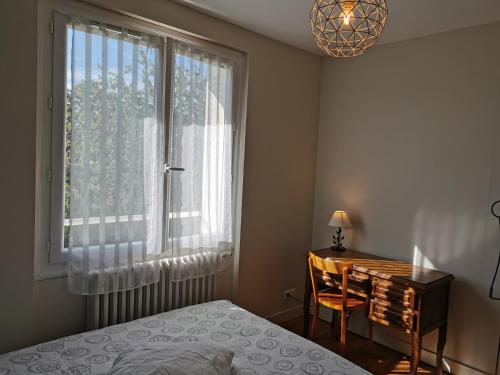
(259, 346)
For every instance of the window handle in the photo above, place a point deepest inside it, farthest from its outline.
(168, 168)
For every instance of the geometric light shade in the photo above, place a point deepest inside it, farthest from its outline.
(347, 28)
(340, 219)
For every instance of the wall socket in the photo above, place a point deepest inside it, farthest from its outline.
(289, 293)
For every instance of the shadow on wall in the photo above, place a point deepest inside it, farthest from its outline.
(461, 244)
(439, 238)
(465, 246)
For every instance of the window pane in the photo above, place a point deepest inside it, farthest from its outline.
(201, 196)
(113, 136)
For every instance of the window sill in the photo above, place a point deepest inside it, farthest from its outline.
(52, 271)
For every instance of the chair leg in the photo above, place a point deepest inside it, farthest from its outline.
(315, 320)
(343, 331)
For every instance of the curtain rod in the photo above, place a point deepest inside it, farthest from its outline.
(173, 29)
(116, 29)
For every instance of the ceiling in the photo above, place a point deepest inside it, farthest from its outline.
(288, 20)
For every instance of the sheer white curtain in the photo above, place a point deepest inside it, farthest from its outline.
(201, 197)
(114, 158)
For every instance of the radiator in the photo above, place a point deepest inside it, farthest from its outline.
(118, 307)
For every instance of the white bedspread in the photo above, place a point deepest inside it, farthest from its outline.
(259, 346)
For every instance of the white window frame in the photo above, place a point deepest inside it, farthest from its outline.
(50, 261)
(58, 123)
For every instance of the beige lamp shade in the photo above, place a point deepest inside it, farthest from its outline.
(340, 220)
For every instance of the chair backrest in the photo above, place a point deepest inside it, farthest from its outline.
(320, 268)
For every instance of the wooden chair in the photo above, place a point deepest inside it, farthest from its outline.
(320, 270)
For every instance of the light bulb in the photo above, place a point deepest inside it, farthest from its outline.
(347, 8)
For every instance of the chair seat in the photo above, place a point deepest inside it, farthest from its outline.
(334, 301)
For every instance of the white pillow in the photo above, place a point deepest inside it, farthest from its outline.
(177, 359)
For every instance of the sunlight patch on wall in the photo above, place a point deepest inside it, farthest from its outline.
(419, 259)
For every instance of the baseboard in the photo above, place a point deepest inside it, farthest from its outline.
(285, 315)
(391, 341)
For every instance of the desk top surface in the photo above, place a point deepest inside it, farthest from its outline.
(393, 270)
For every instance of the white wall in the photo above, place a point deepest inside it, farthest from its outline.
(17, 177)
(283, 101)
(406, 140)
(409, 146)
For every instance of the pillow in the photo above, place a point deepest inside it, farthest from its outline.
(178, 359)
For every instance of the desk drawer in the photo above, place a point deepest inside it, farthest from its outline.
(397, 294)
(357, 284)
(388, 314)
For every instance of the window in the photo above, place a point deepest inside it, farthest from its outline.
(143, 149)
(201, 142)
(113, 139)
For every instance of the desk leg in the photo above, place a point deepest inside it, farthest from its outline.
(307, 302)
(440, 348)
(415, 352)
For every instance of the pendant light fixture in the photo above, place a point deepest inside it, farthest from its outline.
(347, 28)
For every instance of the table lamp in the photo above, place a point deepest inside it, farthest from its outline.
(339, 220)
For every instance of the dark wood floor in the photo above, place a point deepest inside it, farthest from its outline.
(377, 359)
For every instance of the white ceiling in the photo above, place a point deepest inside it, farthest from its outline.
(288, 20)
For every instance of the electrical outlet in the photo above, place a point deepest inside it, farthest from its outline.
(289, 293)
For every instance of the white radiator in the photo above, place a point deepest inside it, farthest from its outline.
(119, 307)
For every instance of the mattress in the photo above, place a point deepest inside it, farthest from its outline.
(259, 346)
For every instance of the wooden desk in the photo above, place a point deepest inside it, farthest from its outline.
(410, 298)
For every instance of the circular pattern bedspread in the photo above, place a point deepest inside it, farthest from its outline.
(259, 346)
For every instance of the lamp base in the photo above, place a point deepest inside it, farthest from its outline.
(337, 241)
(337, 248)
